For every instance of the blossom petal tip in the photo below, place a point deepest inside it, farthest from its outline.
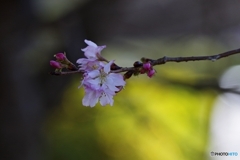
(90, 43)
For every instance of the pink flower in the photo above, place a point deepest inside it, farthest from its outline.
(92, 50)
(101, 85)
(103, 77)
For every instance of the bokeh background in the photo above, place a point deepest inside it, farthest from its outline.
(167, 117)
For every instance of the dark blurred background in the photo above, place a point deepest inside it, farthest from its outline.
(166, 117)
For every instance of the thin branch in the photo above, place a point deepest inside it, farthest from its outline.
(124, 69)
(196, 58)
(164, 60)
(65, 73)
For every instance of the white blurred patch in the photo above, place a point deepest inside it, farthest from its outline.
(225, 120)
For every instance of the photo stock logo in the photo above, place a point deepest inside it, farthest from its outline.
(223, 154)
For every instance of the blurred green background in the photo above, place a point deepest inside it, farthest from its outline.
(161, 118)
(149, 120)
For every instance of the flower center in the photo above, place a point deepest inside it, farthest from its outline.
(102, 77)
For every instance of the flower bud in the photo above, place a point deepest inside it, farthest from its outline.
(151, 73)
(147, 66)
(60, 56)
(55, 64)
(115, 67)
(137, 64)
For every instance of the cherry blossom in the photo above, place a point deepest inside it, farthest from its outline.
(102, 85)
(98, 82)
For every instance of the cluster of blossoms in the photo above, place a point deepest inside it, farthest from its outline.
(99, 81)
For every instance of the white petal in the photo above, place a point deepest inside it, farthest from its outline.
(103, 100)
(94, 73)
(87, 98)
(117, 79)
(90, 53)
(79, 61)
(106, 99)
(84, 49)
(110, 84)
(107, 67)
(91, 97)
(90, 43)
(94, 99)
(100, 48)
(94, 82)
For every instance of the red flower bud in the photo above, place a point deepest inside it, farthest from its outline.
(151, 73)
(147, 66)
(55, 64)
(60, 56)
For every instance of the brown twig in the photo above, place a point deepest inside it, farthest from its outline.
(164, 60)
(65, 73)
(196, 58)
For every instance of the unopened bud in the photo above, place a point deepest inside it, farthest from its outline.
(151, 73)
(147, 66)
(55, 64)
(60, 56)
(137, 64)
(115, 67)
